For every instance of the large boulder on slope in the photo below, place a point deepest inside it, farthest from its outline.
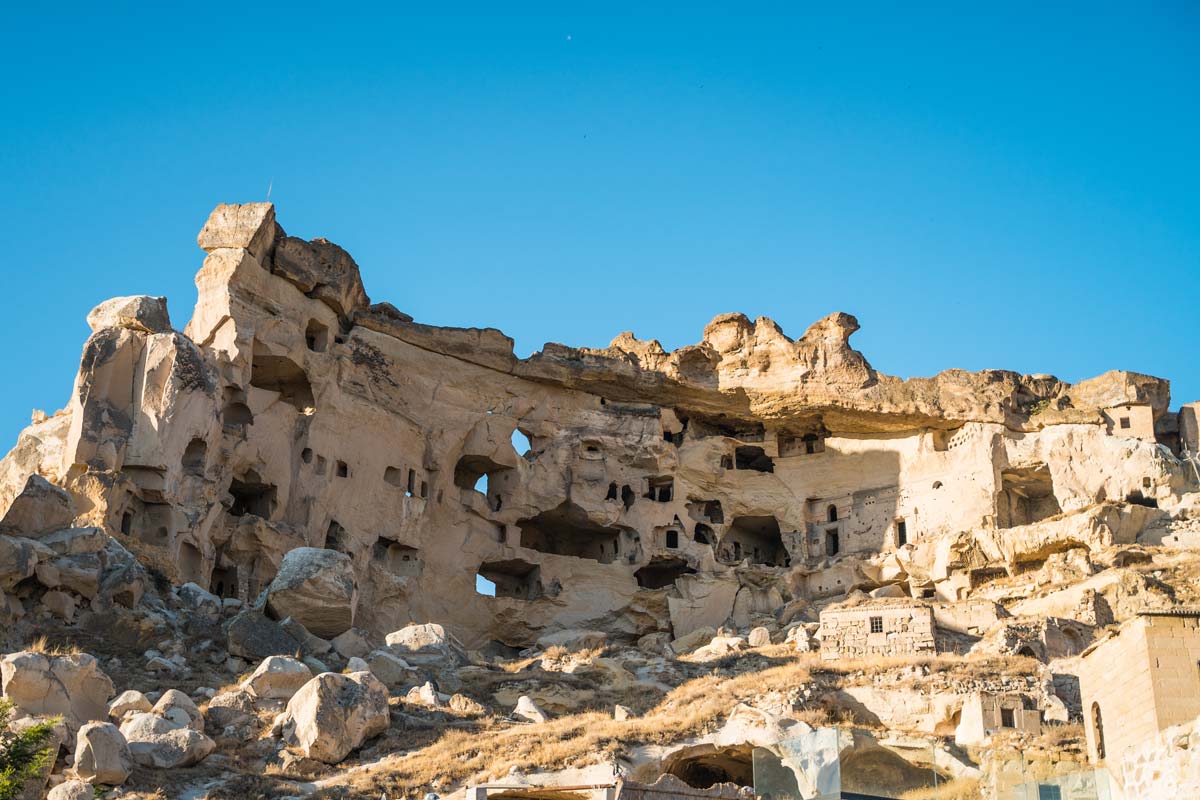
(40, 508)
(316, 588)
(137, 313)
(333, 714)
(102, 754)
(160, 743)
(278, 678)
(71, 686)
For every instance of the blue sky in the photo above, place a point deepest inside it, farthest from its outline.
(1013, 188)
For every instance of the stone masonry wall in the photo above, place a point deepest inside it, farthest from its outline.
(905, 630)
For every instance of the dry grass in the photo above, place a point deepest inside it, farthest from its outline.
(957, 789)
(491, 751)
(43, 646)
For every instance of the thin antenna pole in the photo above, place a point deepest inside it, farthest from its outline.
(270, 185)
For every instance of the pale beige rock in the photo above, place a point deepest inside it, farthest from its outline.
(72, 686)
(102, 755)
(277, 678)
(317, 588)
(40, 508)
(72, 790)
(179, 709)
(527, 710)
(160, 743)
(139, 313)
(127, 702)
(334, 714)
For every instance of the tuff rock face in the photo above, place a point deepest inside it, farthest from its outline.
(650, 491)
(297, 495)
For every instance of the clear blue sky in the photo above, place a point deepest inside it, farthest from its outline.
(1015, 188)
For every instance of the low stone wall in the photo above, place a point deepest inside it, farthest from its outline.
(872, 630)
(1166, 766)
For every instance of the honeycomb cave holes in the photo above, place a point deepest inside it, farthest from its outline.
(705, 766)
(567, 531)
(513, 578)
(483, 475)
(662, 572)
(523, 444)
(195, 458)
(755, 538)
(397, 558)
(753, 458)
(281, 374)
(251, 495)
(704, 534)
(316, 336)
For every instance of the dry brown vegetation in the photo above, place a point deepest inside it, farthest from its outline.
(957, 789)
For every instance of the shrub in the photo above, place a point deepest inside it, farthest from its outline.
(23, 754)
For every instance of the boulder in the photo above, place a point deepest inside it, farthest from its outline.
(127, 702)
(79, 573)
(356, 664)
(527, 710)
(425, 695)
(72, 790)
(253, 636)
(277, 678)
(75, 541)
(323, 271)
(60, 604)
(333, 714)
(390, 668)
(759, 637)
(248, 226)
(317, 588)
(102, 754)
(18, 560)
(71, 686)
(352, 643)
(160, 743)
(199, 599)
(177, 707)
(40, 508)
(137, 313)
(230, 708)
(692, 640)
(422, 644)
(573, 639)
(312, 645)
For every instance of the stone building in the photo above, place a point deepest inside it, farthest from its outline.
(1140, 681)
(986, 714)
(889, 628)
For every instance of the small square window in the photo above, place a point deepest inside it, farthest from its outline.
(1048, 792)
(876, 624)
(1124, 422)
(1007, 718)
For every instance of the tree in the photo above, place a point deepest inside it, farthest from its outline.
(23, 754)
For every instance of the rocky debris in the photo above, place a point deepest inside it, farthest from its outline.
(426, 644)
(277, 678)
(390, 668)
(180, 710)
(102, 755)
(426, 695)
(137, 313)
(317, 588)
(200, 600)
(252, 635)
(528, 711)
(334, 714)
(231, 708)
(312, 645)
(573, 639)
(161, 743)
(72, 790)
(128, 702)
(72, 686)
(688, 643)
(352, 643)
(40, 508)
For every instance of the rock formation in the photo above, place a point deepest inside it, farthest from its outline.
(324, 479)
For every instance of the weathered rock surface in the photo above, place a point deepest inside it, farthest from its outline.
(161, 743)
(334, 714)
(316, 588)
(277, 678)
(72, 686)
(102, 755)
